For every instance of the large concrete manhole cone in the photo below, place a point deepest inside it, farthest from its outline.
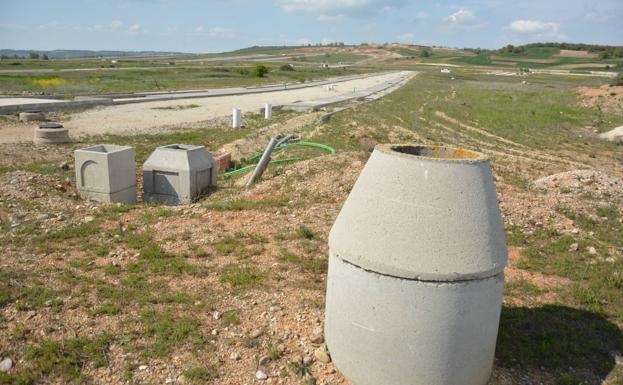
(416, 265)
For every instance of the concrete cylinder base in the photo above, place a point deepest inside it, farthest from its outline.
(386, 330)
(51, 133)
(31, 116)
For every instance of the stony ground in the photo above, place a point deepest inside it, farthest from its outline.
(230, 289)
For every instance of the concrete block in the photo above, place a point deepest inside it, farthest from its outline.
(31, 116)
(416, 263)
(106, 173)
(178, 174)
(51, 133)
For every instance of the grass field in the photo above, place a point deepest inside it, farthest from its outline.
(157, 79)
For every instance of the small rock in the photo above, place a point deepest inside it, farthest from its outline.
(591, 250)
(216, 315)
(317, 337)
(574, 247)
(234, 356)
(143, 367)
(307, 360)
(260, 375)
(256, 333)
(214, 332)
(274, 309)
(88, 219)
(322, 355)
(6, 365)
(265, 360)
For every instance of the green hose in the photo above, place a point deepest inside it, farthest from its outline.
(328, 149)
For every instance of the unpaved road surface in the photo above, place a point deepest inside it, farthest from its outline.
(155, 116)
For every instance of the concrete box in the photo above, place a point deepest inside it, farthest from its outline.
(178, 174)
(416, 261)
(106, 173)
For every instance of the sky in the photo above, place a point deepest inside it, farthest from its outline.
(224, 25)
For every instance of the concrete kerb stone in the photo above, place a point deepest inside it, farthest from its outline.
(178, 174)
(416, 259)
(106, 173)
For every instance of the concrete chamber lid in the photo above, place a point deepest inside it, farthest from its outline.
(422, 212)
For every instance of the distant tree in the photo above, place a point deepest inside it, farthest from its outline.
(618, 52)
(260, 70)
(604, 55)
(33, 55)
(426, 53)
(45, 57)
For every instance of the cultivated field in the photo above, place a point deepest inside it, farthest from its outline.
(213, 291)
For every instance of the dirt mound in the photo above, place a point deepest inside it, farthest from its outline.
(580, 182)
(606, 97)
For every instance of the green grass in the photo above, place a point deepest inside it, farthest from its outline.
(240, 204)
(305, 264)
(60, 359)
(154, 78)
(242, 276)
(165, 332)
(231, 318)
(481, 59)
(200, 375)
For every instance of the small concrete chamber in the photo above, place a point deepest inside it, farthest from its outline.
(416, 270)
(51, 133)
(178, 174)
(106, 173)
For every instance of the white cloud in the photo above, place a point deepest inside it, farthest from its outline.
(462, 17)
(222, 32)
(406, 37)
(534, 27)
(338, 7)
(135, 28)
(331, 18)
(225, 33)
(421, 16)
(116, 24)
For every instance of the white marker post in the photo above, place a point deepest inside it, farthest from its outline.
(236, 118)
(268, 111)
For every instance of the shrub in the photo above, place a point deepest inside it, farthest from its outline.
(260, 70)
(618, 81)
(287, 67)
